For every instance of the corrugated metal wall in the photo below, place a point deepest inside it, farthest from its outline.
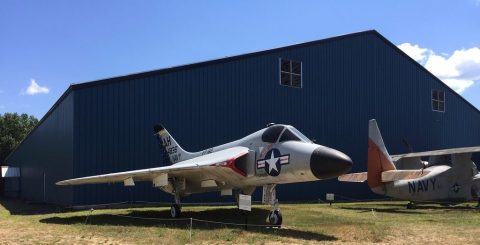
(346, 82)
(46, 156)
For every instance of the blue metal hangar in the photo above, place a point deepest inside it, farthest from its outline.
(328, 89)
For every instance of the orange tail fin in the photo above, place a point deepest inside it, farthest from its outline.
(378, 158)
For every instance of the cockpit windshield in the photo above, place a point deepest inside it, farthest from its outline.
(299, 134)
(288, 136)
(273, 133)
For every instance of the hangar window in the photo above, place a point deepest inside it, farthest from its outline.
(438, 100)
(291, 73)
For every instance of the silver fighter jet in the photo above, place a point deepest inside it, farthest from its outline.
(449, 176)
(277, 154)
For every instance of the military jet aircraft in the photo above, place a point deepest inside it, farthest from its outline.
(449, 176)
(277, 154)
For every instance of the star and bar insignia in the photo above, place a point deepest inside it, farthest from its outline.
(273, 161)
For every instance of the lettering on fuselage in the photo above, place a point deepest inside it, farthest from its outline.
(175, 158)
(422, 185)
(172, 150)
(167, 141)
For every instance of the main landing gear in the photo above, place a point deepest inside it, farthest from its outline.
(411, 205)
(275, 216)
(176, 209)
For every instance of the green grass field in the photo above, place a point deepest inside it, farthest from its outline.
(366, 222)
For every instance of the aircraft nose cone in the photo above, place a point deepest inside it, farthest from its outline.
(328, 163)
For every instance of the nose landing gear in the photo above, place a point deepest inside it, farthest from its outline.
(270, 197)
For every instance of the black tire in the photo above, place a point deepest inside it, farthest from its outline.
(175, 211)
(410, 205)
(275, 218)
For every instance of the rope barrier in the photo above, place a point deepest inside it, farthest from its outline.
(190, 219)
(212, 222)
(227, 223)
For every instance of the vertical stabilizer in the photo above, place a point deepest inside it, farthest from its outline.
(378, 158)
(172, 148)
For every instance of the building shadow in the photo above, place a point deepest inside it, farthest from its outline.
(209, 219)
(19, 207)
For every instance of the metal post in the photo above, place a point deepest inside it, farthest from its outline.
(191, 223)
(246, 219)
(44, 191)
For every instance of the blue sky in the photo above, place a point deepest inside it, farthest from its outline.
(56, 43)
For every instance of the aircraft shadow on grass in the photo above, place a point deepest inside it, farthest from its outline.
(149, 218)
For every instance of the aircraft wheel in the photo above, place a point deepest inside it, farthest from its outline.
(410, 205)
(275, 218)
(175, 211)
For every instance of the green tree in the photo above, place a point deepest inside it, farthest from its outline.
(13, 128)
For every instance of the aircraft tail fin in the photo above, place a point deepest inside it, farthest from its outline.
(174, 151)
(378, 158)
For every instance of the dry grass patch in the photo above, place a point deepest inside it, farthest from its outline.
(350, 223)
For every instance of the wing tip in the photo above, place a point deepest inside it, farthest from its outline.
(63, 182)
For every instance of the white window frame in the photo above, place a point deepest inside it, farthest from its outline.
(438, 100)
(289, 73)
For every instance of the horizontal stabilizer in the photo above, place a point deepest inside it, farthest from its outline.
(355, 177)
(394, 175)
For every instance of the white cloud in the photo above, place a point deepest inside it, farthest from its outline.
(414, 51)
(34, 88)
(459, 70)
(459, 85)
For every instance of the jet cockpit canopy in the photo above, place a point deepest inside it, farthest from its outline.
(281, 133)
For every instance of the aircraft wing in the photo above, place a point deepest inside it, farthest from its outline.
(221, 159)
(437, 152)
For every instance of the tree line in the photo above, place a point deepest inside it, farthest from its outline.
(13, 129)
